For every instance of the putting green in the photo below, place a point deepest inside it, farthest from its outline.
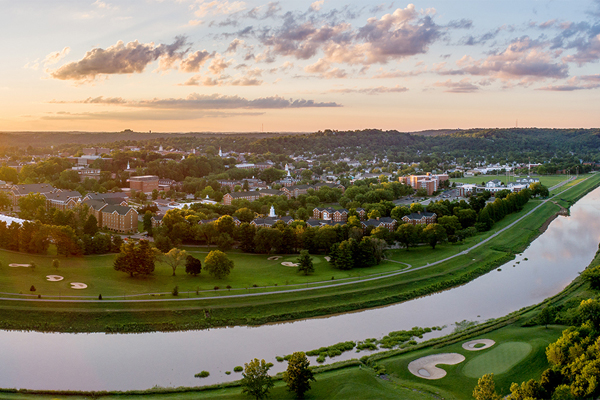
(497, 360)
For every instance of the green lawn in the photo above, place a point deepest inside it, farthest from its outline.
(546, 180)
(497, 360)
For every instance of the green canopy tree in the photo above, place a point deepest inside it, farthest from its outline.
(193, 266)
(305, 264)
(256, 381)
(486, 388)
(136, 259)
(218, 264)
(298, 375)
(174, 258)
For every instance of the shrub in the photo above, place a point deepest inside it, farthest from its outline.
(202, 374)
(175, 291)
(228, 287)
(227, 372)
(255, 285)
(32, 288)
(216, 288)
(238, 369)
(321, 358)
(279, 359)
(100, 296)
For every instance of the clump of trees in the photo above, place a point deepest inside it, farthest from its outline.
(136, 259)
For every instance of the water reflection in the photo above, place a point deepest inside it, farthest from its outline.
(123, 362)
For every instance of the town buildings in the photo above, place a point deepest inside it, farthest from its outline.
(145, 183)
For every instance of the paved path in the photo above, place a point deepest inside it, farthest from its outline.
(337, 284)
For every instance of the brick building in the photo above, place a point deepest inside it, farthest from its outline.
(431, 183)
(145, 183)
(120, 219)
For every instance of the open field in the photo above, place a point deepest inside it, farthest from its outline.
(546, 180)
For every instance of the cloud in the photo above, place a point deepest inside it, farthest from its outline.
(324, 70)
(94, 100)
(150, 115)
(219, 64)
(372, 90)
(523, 59)
(585, 82)
(121, 58)
(587, 51)
(251, 78)
(317, 5)
(197, 101)
(214, 8)
(463, 86)
(55, 57)
(194, 61)
(403, 33)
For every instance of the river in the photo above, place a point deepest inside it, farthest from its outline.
(97, 361)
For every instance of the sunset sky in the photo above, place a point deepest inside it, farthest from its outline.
(192, 65)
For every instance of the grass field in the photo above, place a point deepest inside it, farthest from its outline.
(546, 180)
(497, 360)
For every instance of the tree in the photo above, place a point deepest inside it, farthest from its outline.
(546, 316)
(256, 381)
(147, 222)
(434, 233)
(305, 264)
(174, 258)
(32, 206)
(486, 388)
(407, 234)
(298, 375)
(416, 207)
(4, 201)
(136, 259)
(244, 214)
(91, 225)
(193, 266)
(217, 264)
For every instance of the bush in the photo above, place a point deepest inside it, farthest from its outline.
(202, 374)
(216, 288)
(100, 296)
(228, 287)
(32, 288)
(279, 359)
(175, 291)
(227, 372)
(238, 369)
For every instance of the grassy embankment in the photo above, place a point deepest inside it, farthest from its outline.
(97, 272)
(546, 180)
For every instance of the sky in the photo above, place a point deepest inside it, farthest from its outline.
(298, 66)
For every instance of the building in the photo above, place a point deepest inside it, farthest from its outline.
(120, 219)
(384, 222)
(95, 151)
(19, 191)
(63, 200)
(430, 183)
(330, 214)
(420, 218)
(250, 196)
(145, 183)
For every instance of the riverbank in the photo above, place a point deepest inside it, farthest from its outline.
(101, 316)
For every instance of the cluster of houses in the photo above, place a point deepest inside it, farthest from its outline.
(495, 185)
(110, 209)
(331, 217)
(288, 191)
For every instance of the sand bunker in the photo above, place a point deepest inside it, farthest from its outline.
(471, 345)
(425, 367)
(78, 285)
(289, 264)
(54, 278)
(273, 258)
(19, 265)
(327, 258)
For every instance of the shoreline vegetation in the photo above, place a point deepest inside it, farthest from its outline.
(135, 317)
